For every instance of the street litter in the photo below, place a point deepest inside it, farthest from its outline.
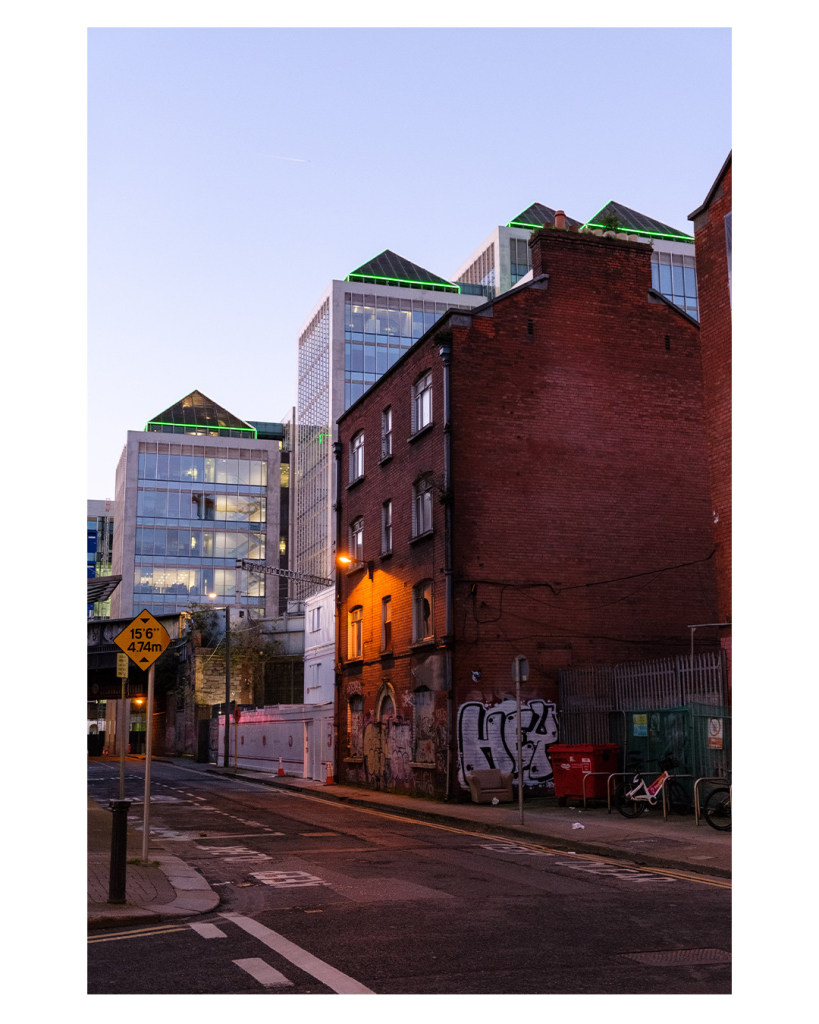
(578, 825)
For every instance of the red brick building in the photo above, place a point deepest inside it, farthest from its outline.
(530, 478)
(712, 230)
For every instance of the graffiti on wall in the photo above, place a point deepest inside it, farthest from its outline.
(388, 753)
(487, 738)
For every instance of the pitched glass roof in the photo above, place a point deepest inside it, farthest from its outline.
(390, 268)
(635, 223)
(196, 413)
(535, 216)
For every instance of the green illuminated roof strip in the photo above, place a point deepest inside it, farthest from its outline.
(363, 278)
(197, 426)
(625, 229)
(636, 231)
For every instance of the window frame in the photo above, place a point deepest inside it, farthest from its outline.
(386, 623)
(357, 539)
(386, 527)
(423, 590)
(357, 456)
(386, 433)
(422, 519)
(422, 402)
(355, 633)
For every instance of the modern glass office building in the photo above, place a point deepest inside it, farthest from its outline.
(356, 331)
(503, 259)
(197, 489)
(673, 262)
(100, 543)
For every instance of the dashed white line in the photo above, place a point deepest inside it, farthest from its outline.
(262, 972)
(208, 931)
(321, 971)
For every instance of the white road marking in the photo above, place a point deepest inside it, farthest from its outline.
(262, 972)
(287, 879)
(321, 971)
(209, 931)
(591, 867)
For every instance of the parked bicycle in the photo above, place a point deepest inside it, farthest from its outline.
(717, 809)
(635, 797)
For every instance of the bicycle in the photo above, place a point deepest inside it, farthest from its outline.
(717, 809)
(635, 797)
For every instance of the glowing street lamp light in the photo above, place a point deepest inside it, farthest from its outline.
(356, 563)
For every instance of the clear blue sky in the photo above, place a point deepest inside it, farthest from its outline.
(233, 173)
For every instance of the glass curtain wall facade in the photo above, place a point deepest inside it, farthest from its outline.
(197, 512)
(674, 275)
(377, 330)
(353, 337)
(314, 439)
(100, 550)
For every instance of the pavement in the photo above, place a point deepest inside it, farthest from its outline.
(167, 888)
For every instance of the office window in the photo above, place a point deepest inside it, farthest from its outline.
(422, 610)
(520, 262)
(315, 619)
(386, 624)
(357, 539)
(675, 277)
(422, 403)
(357, 456)
(386, 433)
(355, 619)
(422, 506)
(386, 528)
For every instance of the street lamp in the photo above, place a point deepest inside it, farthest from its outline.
(227, 681)
(356, 563)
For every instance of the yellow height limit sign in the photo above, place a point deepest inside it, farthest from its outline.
(143, 640)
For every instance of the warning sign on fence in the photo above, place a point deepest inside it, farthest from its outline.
(715, 734)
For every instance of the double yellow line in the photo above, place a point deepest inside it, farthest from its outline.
(138, 933)
(685, 876)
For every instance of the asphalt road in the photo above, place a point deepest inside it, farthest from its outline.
(318, 897)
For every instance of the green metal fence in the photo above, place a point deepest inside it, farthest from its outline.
(696, 736)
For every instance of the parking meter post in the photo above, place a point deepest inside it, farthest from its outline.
(119, 850)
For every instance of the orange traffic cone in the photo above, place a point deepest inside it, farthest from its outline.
(329, 781)
(281, 770)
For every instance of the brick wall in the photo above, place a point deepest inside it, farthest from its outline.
(580, 501)
(715, 331)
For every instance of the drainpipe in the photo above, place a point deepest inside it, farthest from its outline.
(445, 352)
(337, 658)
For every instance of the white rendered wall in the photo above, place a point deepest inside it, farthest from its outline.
(297, 736)
(320, 647)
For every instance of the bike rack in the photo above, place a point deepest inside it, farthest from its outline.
(705, 778)
(584, 784)
(665, 803)
(624, 774)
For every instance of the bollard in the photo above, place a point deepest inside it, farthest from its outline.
(119, 850)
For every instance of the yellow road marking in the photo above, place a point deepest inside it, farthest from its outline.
(139, 933)
(721, 883)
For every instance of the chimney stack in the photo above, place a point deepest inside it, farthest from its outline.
(560, 220)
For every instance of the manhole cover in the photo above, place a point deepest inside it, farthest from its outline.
(681, 956)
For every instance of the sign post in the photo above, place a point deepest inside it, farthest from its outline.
(520, 674)
(144, 640)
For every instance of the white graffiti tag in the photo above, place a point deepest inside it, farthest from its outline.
(487, 738)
